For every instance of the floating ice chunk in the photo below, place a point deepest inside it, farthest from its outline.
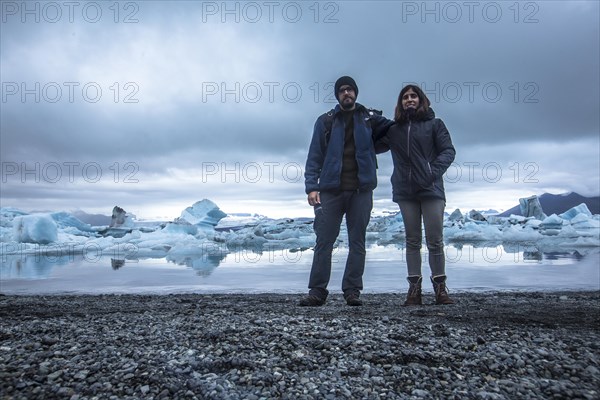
(387, 224)
(120, 219)
(568, 231)
(533, 223)
(203, 213)
(517, 219)
(587, 241)
(476, 216)
(582, 221)
(180, 229)
(579, 218)
(550, 231)
(552, 221)
(36, 228)
(517, 233)
(7, 214)
(573, 212)
(456, 216)
(551, 225)
(283, 235)
(246, 240)
(121, 224)
(531, 207)
(239, 220)
(472, 231)
(65, 220)
(495, 220)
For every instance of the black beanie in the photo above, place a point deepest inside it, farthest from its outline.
(344, 80)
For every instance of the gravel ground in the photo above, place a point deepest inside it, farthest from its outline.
(263, 346)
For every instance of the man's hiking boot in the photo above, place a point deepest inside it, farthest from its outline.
(311, 301)
(441, 291)
(353, 300)
(413, 297)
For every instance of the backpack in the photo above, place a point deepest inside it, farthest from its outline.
(329, 121)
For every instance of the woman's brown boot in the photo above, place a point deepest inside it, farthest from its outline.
(441, 292)
(413, 298)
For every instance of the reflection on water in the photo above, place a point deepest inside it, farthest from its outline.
(116, 264)
(555, 255)
(34, 266)
(203, 263)
(485, 266)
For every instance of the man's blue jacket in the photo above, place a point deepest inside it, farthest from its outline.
(324, 162)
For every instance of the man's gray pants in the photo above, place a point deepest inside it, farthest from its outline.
(357, 207)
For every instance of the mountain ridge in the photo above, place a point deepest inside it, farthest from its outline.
(559, 203)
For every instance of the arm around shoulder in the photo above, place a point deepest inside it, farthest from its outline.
(380, 126)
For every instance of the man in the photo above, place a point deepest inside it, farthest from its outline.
(340, 176)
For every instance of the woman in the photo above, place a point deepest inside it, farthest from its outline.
(422, 151)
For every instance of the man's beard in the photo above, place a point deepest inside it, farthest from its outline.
(347, 106)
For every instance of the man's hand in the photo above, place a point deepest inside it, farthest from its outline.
(314, 198)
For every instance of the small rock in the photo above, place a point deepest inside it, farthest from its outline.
(420, 393)
(49, 341)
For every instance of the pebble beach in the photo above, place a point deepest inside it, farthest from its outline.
(500, 345)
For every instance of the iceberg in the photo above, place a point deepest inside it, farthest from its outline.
(575, 211)
(203, 214)
(551, 225)
(517, 233)
(531, 207)
(69, 223)
(476, 216)
(473, 231)
(120, 219)
(583, 221)
(121, 224)
(37, 228)
(271, 234)
(456, 216)
(199, 228)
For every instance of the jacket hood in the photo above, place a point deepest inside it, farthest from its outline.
(429, 115)
(412, 115)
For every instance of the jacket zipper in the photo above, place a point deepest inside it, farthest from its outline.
(408, 152)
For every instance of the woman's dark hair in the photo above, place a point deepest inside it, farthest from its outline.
(401, 116)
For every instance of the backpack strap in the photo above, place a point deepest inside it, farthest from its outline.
(329, 121)
(328, 124)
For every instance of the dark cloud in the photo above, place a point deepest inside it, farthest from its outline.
(191, 85)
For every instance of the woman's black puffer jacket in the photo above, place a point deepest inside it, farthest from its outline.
(422, 151)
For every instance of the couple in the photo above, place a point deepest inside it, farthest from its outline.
(340, 176)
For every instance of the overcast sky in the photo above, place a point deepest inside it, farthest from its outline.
(154, 105)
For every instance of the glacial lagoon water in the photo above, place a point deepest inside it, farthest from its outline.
(470, 267)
